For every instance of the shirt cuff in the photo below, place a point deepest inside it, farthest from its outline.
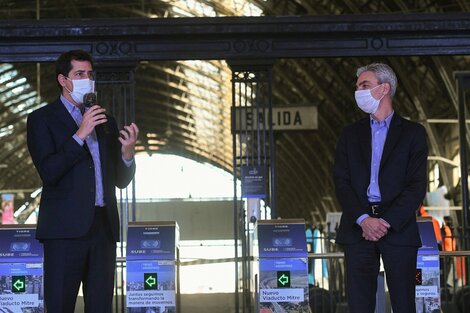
(361, 218)
(78, 139)
(128, 163)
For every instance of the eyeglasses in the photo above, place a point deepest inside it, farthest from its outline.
(84, 75)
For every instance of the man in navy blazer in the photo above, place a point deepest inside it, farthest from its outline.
(380, 175)
(81, 158)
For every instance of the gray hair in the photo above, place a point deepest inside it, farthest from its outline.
(384, 74)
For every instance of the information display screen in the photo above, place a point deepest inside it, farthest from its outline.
(150, 242)
(281, 239)
(18, 244)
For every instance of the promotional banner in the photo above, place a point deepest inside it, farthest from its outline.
(428, 299)
(21, 270)
(151, 286)
(8, 209)
(21, 287)
(253, 181)
(283, 284)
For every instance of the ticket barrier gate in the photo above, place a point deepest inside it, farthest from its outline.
(21, 270)
(428, 298)
(152, 278)
(282, 265)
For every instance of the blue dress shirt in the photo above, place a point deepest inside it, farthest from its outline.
(93, 146)
(379, 132)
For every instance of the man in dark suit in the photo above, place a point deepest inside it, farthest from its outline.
(380, 175)
(81, 157)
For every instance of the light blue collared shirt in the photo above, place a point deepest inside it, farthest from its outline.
(93, 147)
(379, 132)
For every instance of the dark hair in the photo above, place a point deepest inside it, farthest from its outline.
(63, 65)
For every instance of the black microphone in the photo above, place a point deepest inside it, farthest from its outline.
(89, 100)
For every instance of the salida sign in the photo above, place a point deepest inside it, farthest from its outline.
(283, 118)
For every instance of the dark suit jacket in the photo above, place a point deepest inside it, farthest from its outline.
(402, 179)
(67, 171)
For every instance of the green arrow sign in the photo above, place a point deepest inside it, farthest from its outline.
(150, 281)
(283, 279)
(18, 284)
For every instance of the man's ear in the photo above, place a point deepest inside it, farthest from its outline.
(61, 79)
(387, 88)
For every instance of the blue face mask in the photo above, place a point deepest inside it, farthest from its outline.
(366, 102)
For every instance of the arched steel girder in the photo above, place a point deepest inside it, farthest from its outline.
(321, 89)
(24, 170)
(414, 99)
(293, 194)
(448, 84)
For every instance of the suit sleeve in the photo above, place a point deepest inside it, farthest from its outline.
(404, 206)
(52, 163)
(123, 173)
(347, 197)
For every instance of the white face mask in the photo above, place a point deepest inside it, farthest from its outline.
(366, 102)
(80, 88)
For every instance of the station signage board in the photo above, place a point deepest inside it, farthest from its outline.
(283, 118)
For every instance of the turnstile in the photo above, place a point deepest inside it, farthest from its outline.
(151, 262)
(21, 270)
(283, 265)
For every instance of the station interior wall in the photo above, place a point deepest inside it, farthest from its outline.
(197, 220)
